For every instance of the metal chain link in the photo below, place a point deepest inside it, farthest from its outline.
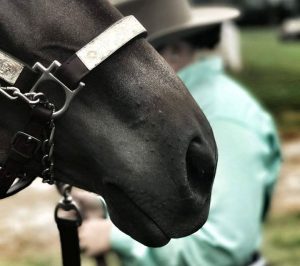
(34, 98)
(47, 150)
(13, 93)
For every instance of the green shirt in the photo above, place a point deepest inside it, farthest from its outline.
(249, 162)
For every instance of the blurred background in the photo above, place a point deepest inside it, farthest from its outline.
(270, 67)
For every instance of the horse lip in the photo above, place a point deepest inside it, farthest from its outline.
(161, 237)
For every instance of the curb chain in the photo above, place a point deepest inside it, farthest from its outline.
(47, 150)
(34, 98)
(13, 93)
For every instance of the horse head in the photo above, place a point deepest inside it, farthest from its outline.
(133, 135)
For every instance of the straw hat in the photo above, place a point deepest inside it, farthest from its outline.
(168, 20)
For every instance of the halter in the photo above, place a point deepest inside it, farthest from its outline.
(25, 83)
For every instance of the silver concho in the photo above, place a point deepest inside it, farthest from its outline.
(10, 69)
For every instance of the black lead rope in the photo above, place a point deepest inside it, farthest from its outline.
(67, 225)
(69, 242)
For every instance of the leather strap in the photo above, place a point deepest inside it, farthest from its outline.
(27, 79)
(98, 50)
(68, 231)
(24, 147)
(73, 70)
(68, 224)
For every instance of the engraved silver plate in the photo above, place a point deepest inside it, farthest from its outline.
(10, 69)
(111, 40)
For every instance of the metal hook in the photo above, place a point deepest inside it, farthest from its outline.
(12, 89)
(47, 74)
(103, 206)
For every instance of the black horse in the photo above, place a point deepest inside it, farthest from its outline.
(133, 135)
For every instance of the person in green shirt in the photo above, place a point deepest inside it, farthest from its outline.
(248, 144)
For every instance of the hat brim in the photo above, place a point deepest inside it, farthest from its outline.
(200, 17)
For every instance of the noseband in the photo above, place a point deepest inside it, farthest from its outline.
(25, 83)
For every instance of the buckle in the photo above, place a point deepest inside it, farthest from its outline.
(29, 145)
(47, 74)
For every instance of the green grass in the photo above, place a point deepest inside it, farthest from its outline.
(272, 74)
(282, 240)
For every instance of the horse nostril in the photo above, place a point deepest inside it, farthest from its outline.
(200, 167)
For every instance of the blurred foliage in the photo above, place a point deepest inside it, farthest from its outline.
(282, 240)
(272, 73)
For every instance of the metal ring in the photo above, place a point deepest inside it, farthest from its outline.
(46, 171)
(103, 206)
(52, 134)
(38, 95)
(45, 143)
(45, 159)
(66, 190)
(23, 97)
(50, 154)
(68, 206)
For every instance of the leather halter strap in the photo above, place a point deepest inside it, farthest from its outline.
(24, 146)
(98, 50)
(74, 69)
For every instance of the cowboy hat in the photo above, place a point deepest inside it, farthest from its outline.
(168, 20)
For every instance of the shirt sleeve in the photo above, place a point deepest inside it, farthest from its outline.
(247, 170)
(249, 162)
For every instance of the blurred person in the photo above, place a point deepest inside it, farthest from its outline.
(249, 153)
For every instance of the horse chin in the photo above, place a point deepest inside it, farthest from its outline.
(130, 219)
(141, 228)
